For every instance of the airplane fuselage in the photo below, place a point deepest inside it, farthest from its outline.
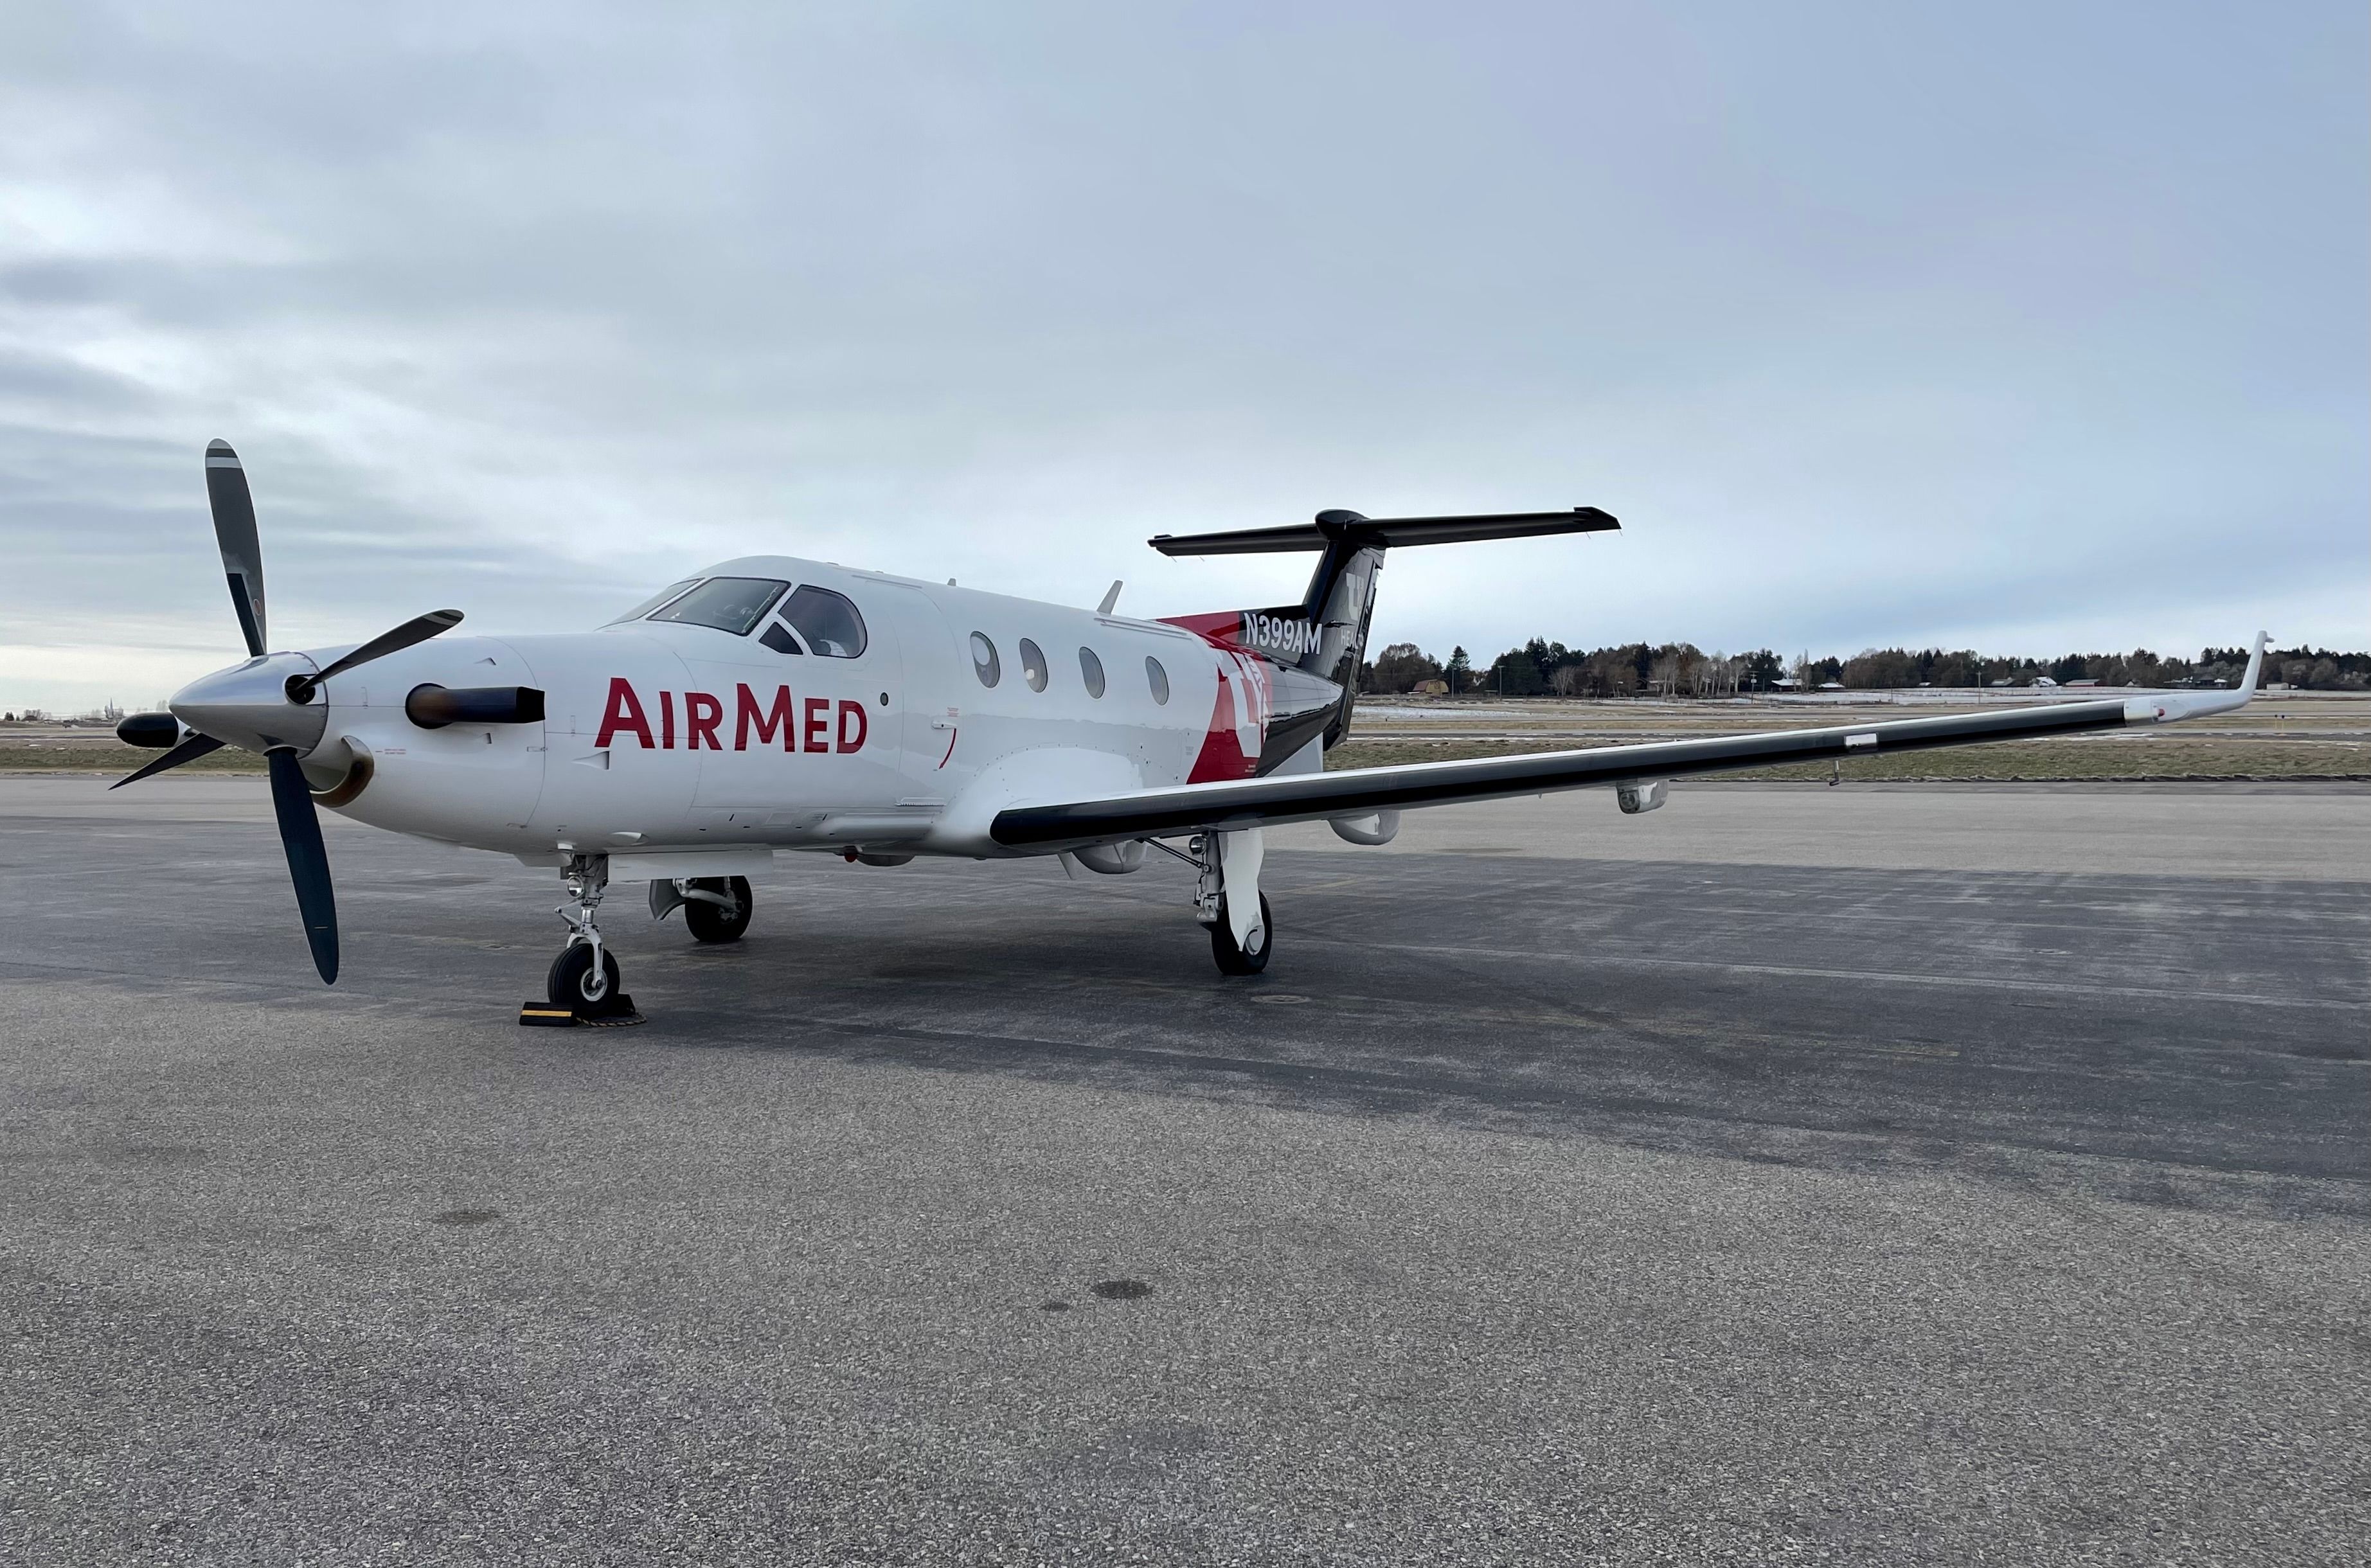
(953, 705)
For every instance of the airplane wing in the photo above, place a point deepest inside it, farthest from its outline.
(1233, 804)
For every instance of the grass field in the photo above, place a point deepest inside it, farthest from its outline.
(2152, 756)
(110, 755)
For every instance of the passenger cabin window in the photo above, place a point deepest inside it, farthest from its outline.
(983, 659)
(1090, 671)
(1156, 677)
(653, 602)
(728, 603)
(826, 622)
(1033, 665)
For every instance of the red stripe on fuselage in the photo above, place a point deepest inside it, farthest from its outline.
(1238, 714)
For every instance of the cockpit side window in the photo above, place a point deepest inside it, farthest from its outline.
(653, 602)
(826, 622)
(728, 603)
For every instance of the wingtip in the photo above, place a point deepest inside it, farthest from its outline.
(220, 456)
(2249, 681)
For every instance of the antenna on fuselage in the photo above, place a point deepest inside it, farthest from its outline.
(1110, 598)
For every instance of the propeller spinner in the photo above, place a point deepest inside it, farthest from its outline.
(266, 704)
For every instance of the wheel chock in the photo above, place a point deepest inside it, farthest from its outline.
(615, 1012)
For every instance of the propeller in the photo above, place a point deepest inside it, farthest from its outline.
(253, 706)
(418, 628)
(242, 553)
(308, 859)
(190, 750)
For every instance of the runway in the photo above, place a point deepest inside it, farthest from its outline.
(1913, 1175)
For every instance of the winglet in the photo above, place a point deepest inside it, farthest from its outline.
(2165, 707)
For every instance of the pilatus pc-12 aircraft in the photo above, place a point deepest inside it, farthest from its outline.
(768, 704)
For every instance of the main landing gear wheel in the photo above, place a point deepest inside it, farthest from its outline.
(577, 985)
(713, 922)
(1234, 960)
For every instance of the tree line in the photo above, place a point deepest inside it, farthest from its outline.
(1542, 668)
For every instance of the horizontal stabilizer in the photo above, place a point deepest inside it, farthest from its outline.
(1390, 533)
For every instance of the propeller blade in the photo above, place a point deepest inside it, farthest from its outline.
(418, 628)
(242, 554)
(309, 861)
(190, 750)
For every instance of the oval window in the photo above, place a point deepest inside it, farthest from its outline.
(1033, 665)
(1157, 677)
(1090, 670)
(983, 659)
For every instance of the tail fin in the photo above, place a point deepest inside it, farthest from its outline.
(1325, 634)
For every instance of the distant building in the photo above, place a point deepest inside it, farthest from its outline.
(2082, 682)
(1430, 689)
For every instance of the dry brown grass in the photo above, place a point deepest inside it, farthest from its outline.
(2106, 756)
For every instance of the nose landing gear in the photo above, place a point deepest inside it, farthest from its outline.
(583, 986)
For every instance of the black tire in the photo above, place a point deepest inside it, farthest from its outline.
(573, 983)
(712, 924)
(1233, 959)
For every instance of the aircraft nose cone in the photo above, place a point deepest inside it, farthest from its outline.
(247, 705)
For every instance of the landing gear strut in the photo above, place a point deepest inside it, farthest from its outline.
(1228, 899)
(584, 978)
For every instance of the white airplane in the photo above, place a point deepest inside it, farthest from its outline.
(769, 703)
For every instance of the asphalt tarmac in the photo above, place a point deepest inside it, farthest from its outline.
(1776, 1196)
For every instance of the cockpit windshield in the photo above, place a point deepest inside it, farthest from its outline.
(652, 603)
(728, 603)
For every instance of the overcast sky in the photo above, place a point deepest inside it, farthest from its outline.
(2026, 329)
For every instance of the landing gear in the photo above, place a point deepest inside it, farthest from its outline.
(584, 978)
(581, 980)
(1228, 899)
(717, 909)
(1241, 958)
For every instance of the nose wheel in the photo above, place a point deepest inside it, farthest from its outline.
(583, 983)
(581, 980)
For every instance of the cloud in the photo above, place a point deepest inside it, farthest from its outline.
(1873, 327)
